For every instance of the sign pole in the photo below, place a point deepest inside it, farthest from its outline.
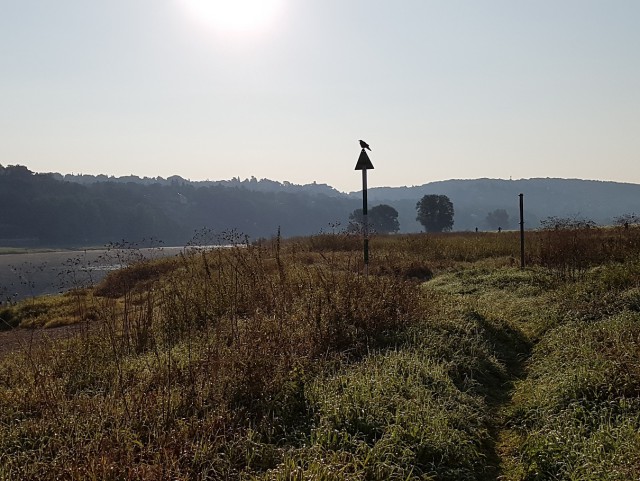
(365, 220)
(364, 164)
(521, 231)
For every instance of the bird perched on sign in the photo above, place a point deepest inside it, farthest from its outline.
(364, 145)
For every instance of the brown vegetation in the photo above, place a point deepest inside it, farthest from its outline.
(282, 360)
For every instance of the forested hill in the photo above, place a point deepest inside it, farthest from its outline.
(598, 201)
(42, 210)
(262, 185)
(80, 210)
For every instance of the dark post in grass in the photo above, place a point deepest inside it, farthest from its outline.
(521, 231)
(364, 164)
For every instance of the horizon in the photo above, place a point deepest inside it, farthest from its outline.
(438, 90)
(370, 187)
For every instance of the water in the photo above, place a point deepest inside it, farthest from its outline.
(39, 273)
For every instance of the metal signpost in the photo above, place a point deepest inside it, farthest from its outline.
(364, 164)
(521, 231)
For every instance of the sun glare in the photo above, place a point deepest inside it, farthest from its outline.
(234, 16)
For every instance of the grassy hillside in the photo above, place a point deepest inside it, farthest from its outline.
(282, 361)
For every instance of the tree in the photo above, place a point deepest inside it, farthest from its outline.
(435, 213)
(385, 219)
(382, 219)
(17, 171)
(498, 218)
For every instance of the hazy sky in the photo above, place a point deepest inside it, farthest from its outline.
(439, 89)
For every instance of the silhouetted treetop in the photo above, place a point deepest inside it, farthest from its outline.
(382, 219)
(435, 213)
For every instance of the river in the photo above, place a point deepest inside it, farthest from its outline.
(29, 274)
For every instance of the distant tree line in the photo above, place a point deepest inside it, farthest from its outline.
(42, 210)
(78, 209)
(252, 183)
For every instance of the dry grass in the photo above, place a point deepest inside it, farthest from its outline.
(281, 360)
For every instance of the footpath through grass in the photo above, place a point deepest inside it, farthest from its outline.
(283, 362)
(574, 411)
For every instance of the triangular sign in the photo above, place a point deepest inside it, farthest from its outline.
(364, 163)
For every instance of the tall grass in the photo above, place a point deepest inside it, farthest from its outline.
(223, 338)
(282, 360)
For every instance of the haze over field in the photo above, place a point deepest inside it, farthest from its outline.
(283, 89)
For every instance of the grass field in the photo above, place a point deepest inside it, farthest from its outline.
(282, 361)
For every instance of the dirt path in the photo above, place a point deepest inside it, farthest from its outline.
(24, 339)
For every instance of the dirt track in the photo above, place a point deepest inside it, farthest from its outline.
(23, 339)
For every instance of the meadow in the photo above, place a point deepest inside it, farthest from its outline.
(281, 360)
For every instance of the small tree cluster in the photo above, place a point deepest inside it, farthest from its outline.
(382, 219)
(435, 213)
(497, 219)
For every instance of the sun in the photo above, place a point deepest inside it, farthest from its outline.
(234, 16)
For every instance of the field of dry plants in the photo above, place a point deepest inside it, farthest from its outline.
(280, 360)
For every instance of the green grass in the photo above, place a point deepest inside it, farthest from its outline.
(282, 361)
(395, 415)
(50, 311)
(577, 413)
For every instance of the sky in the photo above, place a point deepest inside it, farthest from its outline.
(284, 89)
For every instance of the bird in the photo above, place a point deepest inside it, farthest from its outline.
(364, 145)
